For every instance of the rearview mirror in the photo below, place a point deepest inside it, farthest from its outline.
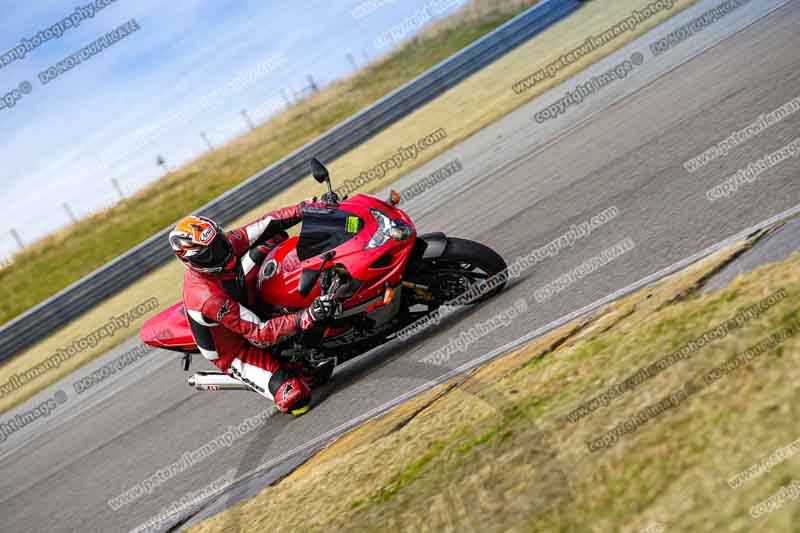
(319, 171)
(308, 279)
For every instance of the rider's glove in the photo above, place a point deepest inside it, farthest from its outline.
(321, 309)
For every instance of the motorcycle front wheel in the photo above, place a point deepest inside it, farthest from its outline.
(466, 273)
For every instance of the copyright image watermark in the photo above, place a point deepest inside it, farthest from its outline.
(187, 502)
(582, 91)
(413, 22)
(88, 51)
(708, 337)
(431, 181)
(690, 389)
(735, 363)
(480, 330)
(190, 459)
(790, 491)
(53, 32)
(739, 137)
(765, 465)
(368, 6)
(109, 369)
(21, 420)
(9, 100)
(395, 162)
(593, 43)
(586, 268)
(753, 171)
(696, 26)
(108, 330)
(642, 417)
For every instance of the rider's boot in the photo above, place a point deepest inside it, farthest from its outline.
(273, 379)
(291, 394)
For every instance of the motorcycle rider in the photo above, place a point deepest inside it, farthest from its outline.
(218, 295)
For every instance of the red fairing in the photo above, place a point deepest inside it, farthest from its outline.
(169, 329)
(282, 287)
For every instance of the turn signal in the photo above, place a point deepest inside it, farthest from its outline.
(388, 296)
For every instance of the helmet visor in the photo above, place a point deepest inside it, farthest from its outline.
(216, 255)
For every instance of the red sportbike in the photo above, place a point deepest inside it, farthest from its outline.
(368, 254)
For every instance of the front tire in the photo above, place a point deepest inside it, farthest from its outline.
(460, 270)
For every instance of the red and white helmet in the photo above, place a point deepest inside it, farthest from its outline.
(202, 245)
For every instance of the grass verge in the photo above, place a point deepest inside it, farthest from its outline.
(492, 450)
(462, 111)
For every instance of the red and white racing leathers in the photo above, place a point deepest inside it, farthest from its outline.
(226, 329)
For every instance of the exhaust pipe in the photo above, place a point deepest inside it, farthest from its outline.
(216, 381)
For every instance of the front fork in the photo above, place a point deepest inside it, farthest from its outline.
(420, 292)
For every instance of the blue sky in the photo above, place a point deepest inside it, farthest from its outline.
(191, 67)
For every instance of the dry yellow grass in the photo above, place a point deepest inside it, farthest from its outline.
(462, 111)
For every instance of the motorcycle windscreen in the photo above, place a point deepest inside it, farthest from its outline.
(324, 230)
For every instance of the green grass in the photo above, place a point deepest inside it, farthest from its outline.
(71, 254)
(409, 474)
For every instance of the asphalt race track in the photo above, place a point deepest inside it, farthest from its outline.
(523, 185)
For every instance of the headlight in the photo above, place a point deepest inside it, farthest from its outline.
(401, 231)
(388, 229)
(384, 231)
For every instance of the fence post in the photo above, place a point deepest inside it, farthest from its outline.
(352, 61)
(312, 84)
(70, 214)
(247, 120)
(115, 183)
(18, 239)
(205, 138)
(160, 161)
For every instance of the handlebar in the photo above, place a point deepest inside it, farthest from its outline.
(337, 281)
(331, 198)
